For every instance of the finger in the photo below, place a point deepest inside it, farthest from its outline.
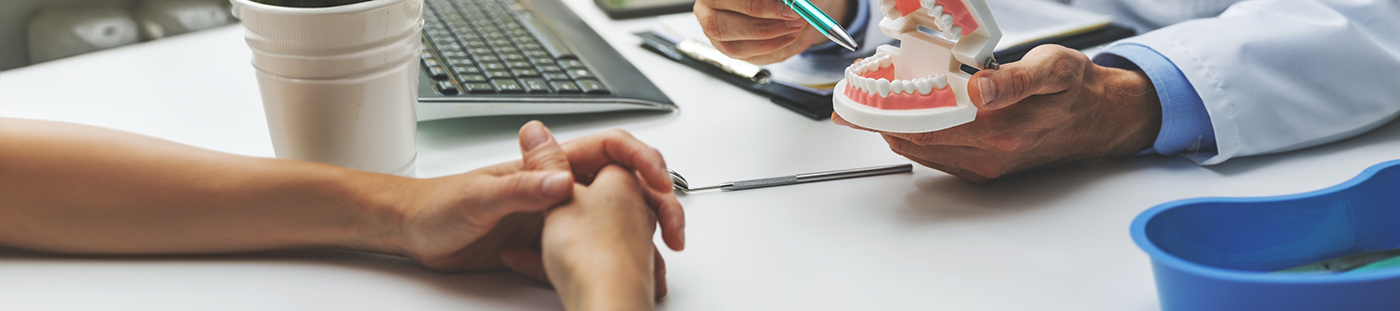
(731, 26)
(1047, 69)
(590, 154)
(539, 150)
(748, 50)
(771, 9)
(526, 262)
(616, 178)
(529, 191)
(659, 273)
(803, 41)
(670, 215)
(954, 160)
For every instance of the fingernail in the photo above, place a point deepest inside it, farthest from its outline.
(533, 136)
(989, 92)
(557, 186)
(794, 24)
(787, 12)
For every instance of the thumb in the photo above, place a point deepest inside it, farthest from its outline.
(539, 150)
(529, 191)
(1047, 69)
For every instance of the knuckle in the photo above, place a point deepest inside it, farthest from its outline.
(712, 27)
(758, 7)
(1065, 70)
(1019, 80)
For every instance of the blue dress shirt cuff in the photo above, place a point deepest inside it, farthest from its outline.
(857, 32)
(1186, 124)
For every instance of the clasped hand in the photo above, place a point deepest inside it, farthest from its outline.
(494, 218)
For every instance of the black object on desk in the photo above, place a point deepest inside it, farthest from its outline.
(818, 107)
(624, 9)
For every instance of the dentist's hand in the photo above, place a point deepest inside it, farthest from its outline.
(763, 31)
(1052, 107)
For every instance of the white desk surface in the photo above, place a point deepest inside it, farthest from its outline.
(1050, 240)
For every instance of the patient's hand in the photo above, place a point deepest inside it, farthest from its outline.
(1052, 107)
(464, 222)
(763, 31)
(597, 249)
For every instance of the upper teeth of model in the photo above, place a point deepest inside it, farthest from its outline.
(883, 87)
(942, 21)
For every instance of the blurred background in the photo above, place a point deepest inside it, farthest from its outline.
(35, 31)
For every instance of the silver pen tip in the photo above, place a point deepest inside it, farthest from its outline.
(839, 36)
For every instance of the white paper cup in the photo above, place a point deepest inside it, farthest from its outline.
(339, 84)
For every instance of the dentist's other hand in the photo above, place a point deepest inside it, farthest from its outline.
(1052, 107)
(763, 31)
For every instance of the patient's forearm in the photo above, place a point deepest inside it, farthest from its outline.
(82, 189)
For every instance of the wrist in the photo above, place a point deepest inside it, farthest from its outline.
(1134, 100)
(597, 277)
(374, 215)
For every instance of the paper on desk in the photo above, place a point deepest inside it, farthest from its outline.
(811, 75)
(1026, 21)
(1020, 21)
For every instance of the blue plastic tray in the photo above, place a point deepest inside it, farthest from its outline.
(1217, 253)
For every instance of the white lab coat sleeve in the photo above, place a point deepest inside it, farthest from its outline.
(1279, 75)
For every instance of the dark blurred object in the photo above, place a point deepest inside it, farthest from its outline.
(622, 9)
(308, 3)
(164, 18)
(61, 32)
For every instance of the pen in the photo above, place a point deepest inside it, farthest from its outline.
(827, 26)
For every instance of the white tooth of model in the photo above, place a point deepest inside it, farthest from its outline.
(940, 81)
(883, 86)
(925, 86)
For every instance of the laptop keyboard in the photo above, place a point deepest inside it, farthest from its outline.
(498, 47)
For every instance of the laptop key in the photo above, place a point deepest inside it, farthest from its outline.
(493, 66)
(571, 63)
(479, 88)
(498, 74)
(551, 68)
(535, 85)
(472, 78)
(461, 62)
(557, 76)
(446, 88)
(520, 64)
(487, 58)
(565, 87)
(513, 57)
(507, 86)
(464, 70)
(525, 72)
(580, 73)
(437, 73)
(592, 86)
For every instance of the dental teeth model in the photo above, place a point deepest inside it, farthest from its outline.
(920, 86)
